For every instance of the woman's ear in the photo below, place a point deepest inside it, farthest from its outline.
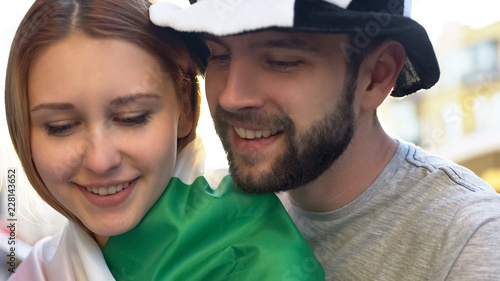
(383, 66)
(186, 117)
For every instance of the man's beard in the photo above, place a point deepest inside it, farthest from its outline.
(302, 161)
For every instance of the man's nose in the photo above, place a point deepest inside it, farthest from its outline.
(241, 86)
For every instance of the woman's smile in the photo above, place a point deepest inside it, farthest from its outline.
(104, 141)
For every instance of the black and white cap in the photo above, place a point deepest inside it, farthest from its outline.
(364, 19)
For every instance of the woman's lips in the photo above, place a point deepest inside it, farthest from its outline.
(108, 190)
(109, 196)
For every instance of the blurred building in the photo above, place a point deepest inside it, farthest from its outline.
(459, 118)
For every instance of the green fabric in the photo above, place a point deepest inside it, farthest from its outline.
(196, 233)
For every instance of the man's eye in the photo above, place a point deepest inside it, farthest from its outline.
(135, 120)
(282, 65)
(219, 58)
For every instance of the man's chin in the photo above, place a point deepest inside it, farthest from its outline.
(258, 188)
(248, 180)
(262, 181)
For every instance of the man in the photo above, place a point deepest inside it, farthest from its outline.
(293, 87)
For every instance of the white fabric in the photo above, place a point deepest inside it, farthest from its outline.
(70, 255)
(190, 162)
(341, 3)
(229, 17)
(188, 168)
(224, 17)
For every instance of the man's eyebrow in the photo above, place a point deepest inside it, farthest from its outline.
(283, 43)
(210, 37)
(123, 101)
(288, 43)
(214, 39)
(54, 106)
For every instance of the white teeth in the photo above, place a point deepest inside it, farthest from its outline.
(103, 191)
(240, 131)
(248, 134)
(112, 190)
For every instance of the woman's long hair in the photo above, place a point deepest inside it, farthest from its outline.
(50, 21)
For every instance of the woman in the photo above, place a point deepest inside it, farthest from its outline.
(102, 108)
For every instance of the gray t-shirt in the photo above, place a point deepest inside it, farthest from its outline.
(424, 218)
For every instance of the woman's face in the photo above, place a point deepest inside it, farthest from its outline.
(104, 126)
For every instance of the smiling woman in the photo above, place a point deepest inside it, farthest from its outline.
(58, 72)
(103, 133)
(102, 108)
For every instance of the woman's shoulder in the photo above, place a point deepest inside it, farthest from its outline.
(34, 267)
(70, 255)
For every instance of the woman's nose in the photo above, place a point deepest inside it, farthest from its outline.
(102, 153)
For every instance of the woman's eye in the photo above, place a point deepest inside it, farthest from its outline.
(135, 120)
(59, 130)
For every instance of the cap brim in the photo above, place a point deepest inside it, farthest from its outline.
(421, 70)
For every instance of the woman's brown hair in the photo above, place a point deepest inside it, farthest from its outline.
(50, 21)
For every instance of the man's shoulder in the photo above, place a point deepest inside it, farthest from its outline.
(423, 168)
(450, 195)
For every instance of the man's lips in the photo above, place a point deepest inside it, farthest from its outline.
(254, 134)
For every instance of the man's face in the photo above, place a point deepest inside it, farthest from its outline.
(282, 106)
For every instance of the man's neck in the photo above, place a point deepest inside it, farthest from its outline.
(360, 165)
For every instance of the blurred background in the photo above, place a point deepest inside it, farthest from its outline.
(459, 118)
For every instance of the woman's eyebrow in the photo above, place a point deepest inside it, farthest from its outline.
(123, 101)
(54, 106)
(117, 102)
